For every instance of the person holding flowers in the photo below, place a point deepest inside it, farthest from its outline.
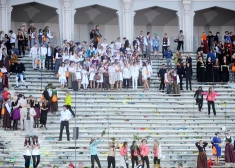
(123, 155)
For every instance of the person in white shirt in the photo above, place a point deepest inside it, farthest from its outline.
(126, 76)
(65, 116)
(49, 56)
(35, 151)
(85, 81)
(165, 44)
(148, 44)
(145, 76)
(27, 151)
(12, 37)
(62, 74)
(150, 72)
(22, 103)
(135, 75)
(43, 52)
(34, 54)
(65, 56)
(104, 44)
(118, 43)
(29, 114)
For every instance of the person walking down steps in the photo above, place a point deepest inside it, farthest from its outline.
(68, 103)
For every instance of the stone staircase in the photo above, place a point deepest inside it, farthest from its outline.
(173, 120)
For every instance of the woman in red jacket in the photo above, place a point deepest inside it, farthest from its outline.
(144, 151)
(210, 97)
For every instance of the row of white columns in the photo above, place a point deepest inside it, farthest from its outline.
(126, 20)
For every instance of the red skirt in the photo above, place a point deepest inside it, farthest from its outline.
(202, 160)
(205, 48)
(229, 154)
(6, 120)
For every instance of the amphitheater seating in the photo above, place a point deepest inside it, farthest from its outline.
(173, 120)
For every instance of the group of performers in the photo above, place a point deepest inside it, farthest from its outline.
(216, 150)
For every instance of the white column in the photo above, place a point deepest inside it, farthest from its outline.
(67, 20)
(187, 25)
(120, 23)
(127, 20)
(58, 11)
(72, 20)
(3, 16)
(179, 15)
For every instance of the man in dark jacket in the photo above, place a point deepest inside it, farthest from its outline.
(161, 74)
(20, 69)
(188, 75)
(180, 72)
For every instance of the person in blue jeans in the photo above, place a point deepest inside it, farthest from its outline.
(168, 54)
(93, 150)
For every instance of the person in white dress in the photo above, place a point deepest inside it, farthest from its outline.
(85, 81)
(92, 71)
(27, 151)
(145, 73)
(79, 75)
(134, 75)
(65, 56)
(112, 75)
(71, 69)
(36, 151)
(119, 76)
(100, 73)
(150, 72)
(126, 75)
(62, 74)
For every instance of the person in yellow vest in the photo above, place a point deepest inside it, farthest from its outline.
(68, 103)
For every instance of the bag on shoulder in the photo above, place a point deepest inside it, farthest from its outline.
(54, 99)
(97, 77)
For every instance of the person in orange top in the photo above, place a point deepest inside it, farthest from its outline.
(123, 154)
(204, 42)
(14, 59)
(144, 151)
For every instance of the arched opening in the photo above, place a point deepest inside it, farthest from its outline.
(39, 14)
(87, 18)
(213, 19)
(157, 19)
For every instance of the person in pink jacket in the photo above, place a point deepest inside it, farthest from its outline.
(123, 154)
(210, 97)
(144, 151)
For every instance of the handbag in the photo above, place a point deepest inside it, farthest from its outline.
(233, 68)
(3, 111)
(67, 74)
(54, 98)
(214, 152)
(176, 40)
(97, 77)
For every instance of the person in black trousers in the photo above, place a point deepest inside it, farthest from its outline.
(199, 98)
(161, 74)
(36, 152)
(180, 72)
(135, 152)
(65, 116)
(21, 41)
(27, 151)
(111, 154)
(188, 75)
(49, 57)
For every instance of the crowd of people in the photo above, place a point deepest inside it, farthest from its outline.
(100, 65)
(219, 59)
